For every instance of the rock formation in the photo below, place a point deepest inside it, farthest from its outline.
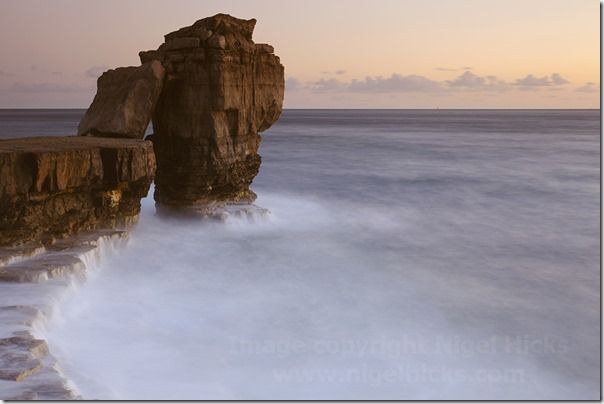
(55, 186)
(221, 89)
(124, 101)
(210, 90)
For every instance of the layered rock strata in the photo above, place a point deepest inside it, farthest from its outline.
(221, 90)
(53, 187)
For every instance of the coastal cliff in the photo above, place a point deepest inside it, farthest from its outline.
(209, 90)
(53, 187)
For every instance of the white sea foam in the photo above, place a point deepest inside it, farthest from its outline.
(300, 306)
(408, 255)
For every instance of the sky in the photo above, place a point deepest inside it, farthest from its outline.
(336, 53)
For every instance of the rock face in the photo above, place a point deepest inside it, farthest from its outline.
(221, 89)
(56, 186)
(124, 101)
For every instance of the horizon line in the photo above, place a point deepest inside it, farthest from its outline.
(353, 109)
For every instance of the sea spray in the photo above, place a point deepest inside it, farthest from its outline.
(30, 307)
(409, 255)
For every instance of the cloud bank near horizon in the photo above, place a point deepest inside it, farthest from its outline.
(414, 83)
(336, 89)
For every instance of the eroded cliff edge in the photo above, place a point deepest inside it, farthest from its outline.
(52, 187)
(210, 90)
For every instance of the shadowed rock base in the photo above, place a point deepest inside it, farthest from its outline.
(214, 212)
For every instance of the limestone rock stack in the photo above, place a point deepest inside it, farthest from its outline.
(221, 89)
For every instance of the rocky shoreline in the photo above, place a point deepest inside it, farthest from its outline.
(33, 279)
(209, 90)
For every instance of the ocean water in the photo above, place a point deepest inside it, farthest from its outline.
(409, 255)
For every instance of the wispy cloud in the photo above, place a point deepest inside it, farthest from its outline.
(292, 83)
(589, 87)
(471, 81)
(327, 85)
(6, 74)
(452, 69)
(338, 72)
(532, 81)
(396, 83)
(413, 83)
(20, 87)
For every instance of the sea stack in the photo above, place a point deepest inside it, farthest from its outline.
(221, 89)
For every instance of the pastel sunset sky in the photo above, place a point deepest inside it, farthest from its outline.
(337, 53)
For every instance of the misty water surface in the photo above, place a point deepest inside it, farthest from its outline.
(409, 254)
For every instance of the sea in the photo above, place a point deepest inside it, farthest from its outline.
(409, 254)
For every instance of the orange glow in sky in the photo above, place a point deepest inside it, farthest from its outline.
(337, 53)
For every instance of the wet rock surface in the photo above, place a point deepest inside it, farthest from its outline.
(221, 90)
(43, 268)
(56, 186)
(20, 356)
(218, 212)
(28, 371)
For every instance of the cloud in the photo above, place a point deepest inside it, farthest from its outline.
(6, 74)
(327, 85)
(467, 79)
(292, 84)
(471, 81)
(452, 69)
(336, 72)
(20, 87)
(413, 83)
(95, 71)
(558, 80)
(396, 83)
(532, 81)
(588, 87)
